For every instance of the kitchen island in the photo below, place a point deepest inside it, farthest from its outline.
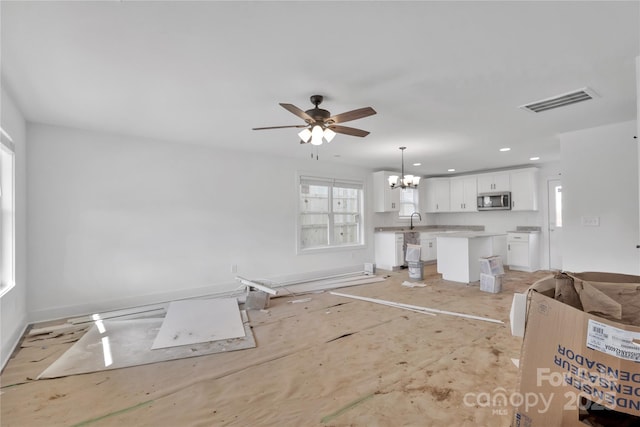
(459, 253)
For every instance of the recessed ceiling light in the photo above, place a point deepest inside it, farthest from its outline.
(417, 164)
(505, 149)
(534, 158)
(451, 170)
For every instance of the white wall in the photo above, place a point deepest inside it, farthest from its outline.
(119, 221)
(13, 305)
(600, 179)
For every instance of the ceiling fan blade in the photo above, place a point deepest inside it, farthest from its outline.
(352, 115)
(348, 131)
(298, 112)
(280, 127)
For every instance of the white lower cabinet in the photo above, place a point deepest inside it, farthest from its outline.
(522, 251)
(428, 247)
(389, 251)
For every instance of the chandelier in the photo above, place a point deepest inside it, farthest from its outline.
(407, 181)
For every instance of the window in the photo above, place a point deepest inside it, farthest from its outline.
(408, 202)
(558, 205)
(7, 214)
(330, 213)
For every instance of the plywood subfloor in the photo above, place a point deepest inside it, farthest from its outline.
(328, 362)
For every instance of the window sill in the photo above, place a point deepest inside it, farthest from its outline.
(326, 249)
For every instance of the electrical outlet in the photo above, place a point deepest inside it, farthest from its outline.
(591, 221)
(234, 268)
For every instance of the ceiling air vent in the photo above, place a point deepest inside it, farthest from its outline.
(579, 95)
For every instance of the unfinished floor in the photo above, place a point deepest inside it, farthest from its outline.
(331, 361)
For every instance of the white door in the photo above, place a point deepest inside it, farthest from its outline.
(555, 224)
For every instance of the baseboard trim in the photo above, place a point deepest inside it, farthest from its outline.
(65, 312)
(13, 343)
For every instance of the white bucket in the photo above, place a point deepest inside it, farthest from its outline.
(416, 270)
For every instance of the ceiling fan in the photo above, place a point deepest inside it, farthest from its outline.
(321, 125)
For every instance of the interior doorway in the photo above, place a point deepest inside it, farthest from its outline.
(555, 224)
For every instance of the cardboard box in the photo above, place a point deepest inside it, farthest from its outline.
(489, 283)
(579, 369)
(491, 265)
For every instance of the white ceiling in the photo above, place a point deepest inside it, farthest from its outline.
(446, 78)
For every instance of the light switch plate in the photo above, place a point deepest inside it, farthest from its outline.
(591, 221)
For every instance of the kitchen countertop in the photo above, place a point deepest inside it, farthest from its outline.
(472, 234)
(430, 228)
(526, 229)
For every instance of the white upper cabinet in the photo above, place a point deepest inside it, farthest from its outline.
(385, 199)
(464, 193)
(436, 194)
(524, 189)
(494, 182)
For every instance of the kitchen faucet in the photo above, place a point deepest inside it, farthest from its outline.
(411, 219)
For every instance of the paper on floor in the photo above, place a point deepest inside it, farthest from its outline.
(126, 343)
(197, 321)
(413, 285)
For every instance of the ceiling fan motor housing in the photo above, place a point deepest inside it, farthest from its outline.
(318, 114)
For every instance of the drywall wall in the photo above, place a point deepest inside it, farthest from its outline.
(600, 182)
(13, 305)
(119, 221)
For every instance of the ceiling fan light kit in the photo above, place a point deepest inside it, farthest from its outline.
(321, 125)
(407, 181)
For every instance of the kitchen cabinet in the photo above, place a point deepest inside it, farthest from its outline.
(389, 251)
(428, 247)
(385, 199)
(459, 254)
(524, 189)
(522, 251)
(463, 193)
(494, 182)
(436, 194)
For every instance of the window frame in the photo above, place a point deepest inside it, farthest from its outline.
(7, 214)
(331, 183)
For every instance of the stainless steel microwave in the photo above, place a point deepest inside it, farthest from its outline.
(494, 201)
